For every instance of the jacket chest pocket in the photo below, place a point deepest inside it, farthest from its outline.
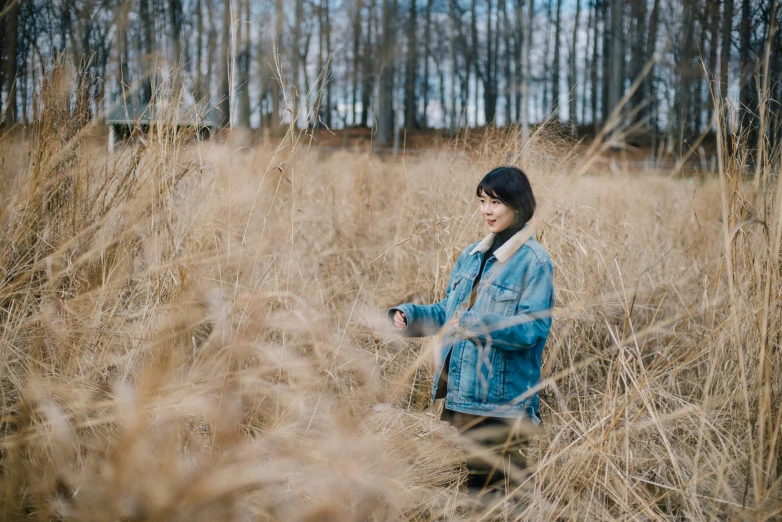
(460, 288)
(502, 300)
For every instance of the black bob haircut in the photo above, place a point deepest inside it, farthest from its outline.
(511, 186)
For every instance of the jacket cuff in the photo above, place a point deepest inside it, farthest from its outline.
(408, 315)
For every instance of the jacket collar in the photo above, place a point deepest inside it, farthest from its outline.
(510, 247)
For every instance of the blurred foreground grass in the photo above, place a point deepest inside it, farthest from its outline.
(196, 331)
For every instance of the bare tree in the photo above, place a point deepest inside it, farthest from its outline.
(727, 38)
(591, 42)
(10, 26)
(490, 86)
(648, 83)
(526, 68)
(638, 51)
(572, 62)
(714, 32)
(146, 44)
(123, 51)
(545, 104)
(473, 56)
(357, 7)
(427, 56)
(647, 86)
(385, 107)
(507, 59)
(274, 83)
(224, 58)
(617, 55)
(476, 56)
(519, 39)
(556, 66)
(367, 62)
(200, 93)
(176, 17)
(410, 71)
(243, 66)
(329, 80)
(684, 67)
(746, 65)
(298, 20)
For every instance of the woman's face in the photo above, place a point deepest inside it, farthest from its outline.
(497, 215)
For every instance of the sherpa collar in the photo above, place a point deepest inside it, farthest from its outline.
(510, 247)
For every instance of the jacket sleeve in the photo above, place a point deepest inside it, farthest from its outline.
(529, 325)
(424, 320)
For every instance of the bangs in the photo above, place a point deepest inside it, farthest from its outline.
(488, 188)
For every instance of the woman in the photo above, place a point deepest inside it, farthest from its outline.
(497, 316)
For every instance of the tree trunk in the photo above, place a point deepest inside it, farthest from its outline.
(555, 105)
(329, 79)
(223, 86)
(545, 105)
(696, 100)
(245, 58)
(199, 78)
(573, 83)
(616, 75)
(727, 38)
(318, 116)
(526, 67)
(385, 100)
(297, 64)
(651, 44)
(211, 46)
(587, 60)
(441, 87)
(490, 73)
(410, 72)
(274, 82)
(638, 52)
(745, 66)
(305, 72)
(507, 59)
(605, 80)
(714, 20)
(455, 30)
(518, 42)
(593, 68)
(683, 68)
(123, 51)
(175, 21)
(356, 60)
(495, 66)
(2, 61)
(261, 59)
(427, 55)
(475, 57)
(147, 36)
(367, 61)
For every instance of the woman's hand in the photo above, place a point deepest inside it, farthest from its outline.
(400, 319)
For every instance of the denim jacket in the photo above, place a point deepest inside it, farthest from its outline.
(497, 346)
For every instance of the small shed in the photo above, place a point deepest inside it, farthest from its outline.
(131, 114)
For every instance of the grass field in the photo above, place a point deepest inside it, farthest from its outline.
(196, 331)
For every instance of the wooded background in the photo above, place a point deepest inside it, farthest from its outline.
(411, 63)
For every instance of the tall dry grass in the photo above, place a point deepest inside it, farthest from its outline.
(194, 330)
